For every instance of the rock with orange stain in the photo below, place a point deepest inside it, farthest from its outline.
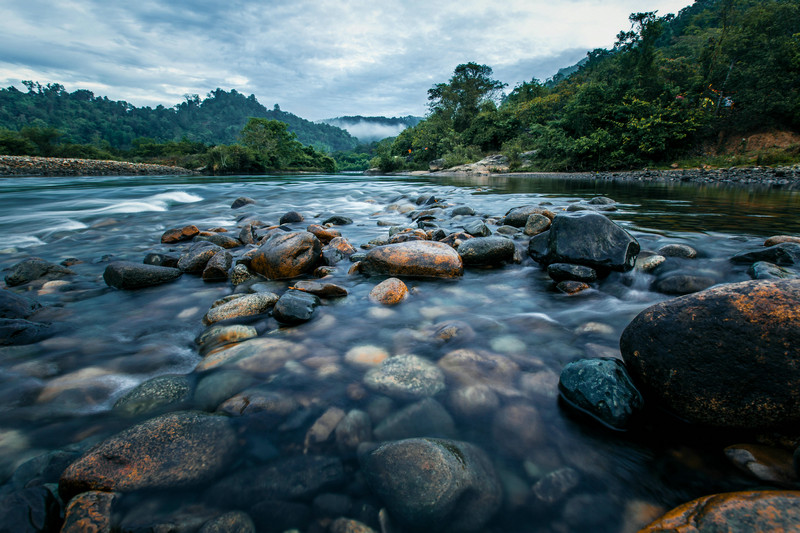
(287, 255)
(725, 357)
(419, 259)
(389, 292)
(325, 235)
(778, 239)
(321, 289)
(338, 249)
(171, 451)
(89, 512)
(174, 235)
(768, 510)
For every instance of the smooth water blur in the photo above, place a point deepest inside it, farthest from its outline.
(58, 393)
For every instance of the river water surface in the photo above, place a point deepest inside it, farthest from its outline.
(58, 393)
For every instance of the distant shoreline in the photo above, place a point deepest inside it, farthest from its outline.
(12, 165)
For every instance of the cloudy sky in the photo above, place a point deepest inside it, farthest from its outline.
(316, 58)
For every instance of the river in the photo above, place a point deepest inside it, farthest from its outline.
(58, 393)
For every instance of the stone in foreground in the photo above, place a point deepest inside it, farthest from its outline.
(128, 275)
(420, 259)
(434, 484)
(725, 357)
(287, 255)
(171, 451)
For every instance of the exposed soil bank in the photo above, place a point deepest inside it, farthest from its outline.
(53, 166)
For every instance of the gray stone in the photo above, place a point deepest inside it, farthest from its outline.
(554, 486)
(196, 258)
(406, 377)
(217, 267)
(128, 275)
(338, 220)
(12, 305)
(291, 217)
(784, 254)
(34, 268)
(765, 270)
(518, 216)
(603, 389)
(220, 239)
(162, 260)
(217, 336)
(295, 307)
(536, 224)
(232, 522)
(426, 418)
(682, 283)
(565, 271)
(462, 211)
(487, 251)
(678, 250)
(19, 331)
(244, 306)
(241, 202)
(153, 394)
(355, 428)
(477, 228)
(30, 510)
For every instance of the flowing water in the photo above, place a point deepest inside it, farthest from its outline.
(58, 393)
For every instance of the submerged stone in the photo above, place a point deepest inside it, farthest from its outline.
(406, 377)
(295, 307)
(128, 275)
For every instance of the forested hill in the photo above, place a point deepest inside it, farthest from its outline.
(83, 118)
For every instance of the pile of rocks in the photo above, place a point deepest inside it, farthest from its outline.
(11, 165)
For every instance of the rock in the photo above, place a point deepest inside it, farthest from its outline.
(322, 430)
(34, 268)
(354, 428)
(455, 239)
(241, 202)
(477, 228)
(171, 451)
(405, 377)
(567, 272)
(678, 250)
(338, 220)
(649, 262)
(518, 216)
(487, 251)
(536, 224)
(30, 510)
(44, 468)
(572, 287)
(247, 235)
(299, 477)
(786, 253)
(162, 260)
(463, 210)
(157, 392)
(272, 407)
(13, 305)
(474, 401)
(186, 233)
(217, 267)
(346, 525)
(471, 367)
(588, 239)
(765, 270)
(279, 516)
(768, 510)
(291, 217)
(321, 289)
(89, 511)
(425, 418)
(240, 274)
(517, 429)
(19, 331)
(261, 355)
(602, 389)
(433, 484)
(600, 200)
(195, 259)
(217, 336)
(337, 250)
(778, 239)
(127, 275)
(325, 235)
(287, 255)
(680, 283)
(554, 486)
(220, 239)
(423, 259)
(231, 522)
(295, 307)
(721, 357)
(770, 465)
(365, 356)
(244, 306)
(391, 291)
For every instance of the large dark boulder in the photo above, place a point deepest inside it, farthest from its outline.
(589, 239)
(35, 268)
(171, 451)
(16, 331)
(420, 259)
(785, 253)
(287, 255)
(12, 305)
(130, 275)
(486, 251)
(434, 484)
(295, 307)
(724, 357)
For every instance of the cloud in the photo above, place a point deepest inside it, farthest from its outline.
(316, 58)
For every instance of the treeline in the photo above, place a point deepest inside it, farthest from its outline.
(669, 86)
(82, 118)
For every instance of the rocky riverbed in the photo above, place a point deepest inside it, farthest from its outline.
(11, 165)
(399, 361)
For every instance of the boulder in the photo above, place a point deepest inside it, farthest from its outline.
(767, 510)
(325, 235)
(287, 255)
(295, 307)
(217, 267)
(241, 202)
(171, 451)
(722, 357)
(389, 292)
(291, 217)
(196, 258)
(244, 306)
(405, 377)
(423, 259)
(12, 305)
(518, 216)
(477, 228)
(128, 275)
(785, 253)
(155, 393)
(34, 268)
(186, 233)
(765, 270)
(602, 389)
(589, 239)
(90, 511)
(434, 484)
(536, 224)
(487, 251)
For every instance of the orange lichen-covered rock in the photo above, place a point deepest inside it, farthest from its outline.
(89, 511)
(727, 356)
(389, 292)
(769, 510)
(179, 234)
(421, 259)
(171, 451)
(325, 235)
(287, 255)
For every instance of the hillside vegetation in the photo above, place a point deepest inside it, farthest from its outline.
(671, 88)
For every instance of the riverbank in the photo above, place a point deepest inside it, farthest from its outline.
(11, 165)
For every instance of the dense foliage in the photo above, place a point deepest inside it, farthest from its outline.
(80, 117)
(670, 85)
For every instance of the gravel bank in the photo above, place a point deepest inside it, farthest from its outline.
(53, 166)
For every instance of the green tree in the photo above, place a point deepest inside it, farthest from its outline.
(460, 99)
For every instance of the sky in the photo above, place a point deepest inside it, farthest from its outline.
(315, 58)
